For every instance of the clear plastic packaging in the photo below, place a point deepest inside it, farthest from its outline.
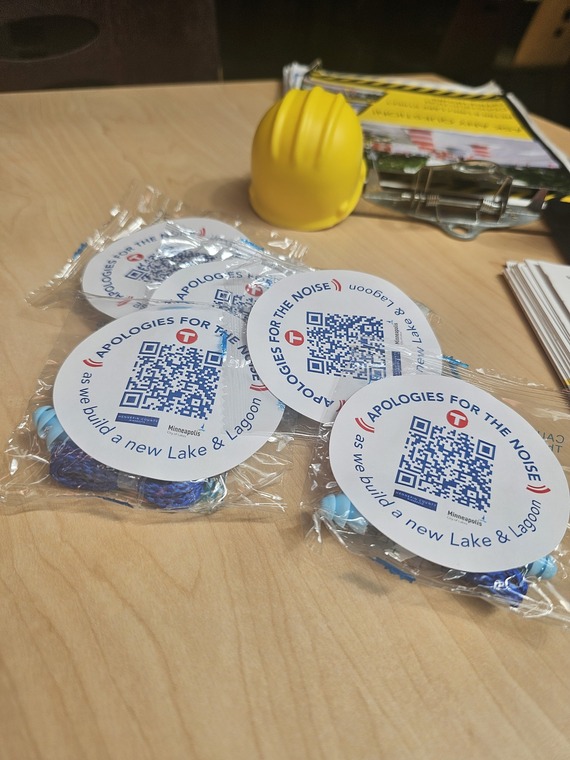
(142, 215)
(45, 460)
(192, 363)
(538, 589)
(185, 267)
(44, 463)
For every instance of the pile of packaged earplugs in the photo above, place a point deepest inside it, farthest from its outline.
(192, 361)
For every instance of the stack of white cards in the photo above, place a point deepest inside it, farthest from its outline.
(543, 291)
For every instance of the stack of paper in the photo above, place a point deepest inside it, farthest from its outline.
(543, 291)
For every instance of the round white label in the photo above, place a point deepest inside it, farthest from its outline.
(450, 473)
(317, 337)
(169, 393)
(117, 280)
(223, 284)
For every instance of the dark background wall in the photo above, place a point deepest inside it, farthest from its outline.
(79, 43)
(470, 41)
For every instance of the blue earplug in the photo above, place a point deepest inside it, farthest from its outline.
(343, 513)
(545, 568)
(48, 425)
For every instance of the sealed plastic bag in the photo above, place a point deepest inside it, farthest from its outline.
(113, 262)
(151, 398)
(185, 266)
(459, 482)
(160, 409)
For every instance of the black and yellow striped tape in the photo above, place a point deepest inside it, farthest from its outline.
(315, 77)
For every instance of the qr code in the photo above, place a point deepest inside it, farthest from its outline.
(234, 303)
(173, 378)
(341, 344)
(137, 273)
(447, 463)
(158, 267)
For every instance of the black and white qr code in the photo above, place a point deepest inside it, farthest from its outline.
(173, 378)
(447, 463)
(338, 344)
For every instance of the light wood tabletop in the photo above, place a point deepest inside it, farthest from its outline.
(226, 636)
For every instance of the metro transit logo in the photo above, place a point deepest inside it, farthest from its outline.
(294, 338)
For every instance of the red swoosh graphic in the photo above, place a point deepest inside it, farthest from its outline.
(538, 489)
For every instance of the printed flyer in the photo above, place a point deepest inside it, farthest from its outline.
(409, 124)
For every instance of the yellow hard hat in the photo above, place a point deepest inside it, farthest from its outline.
(307, 166)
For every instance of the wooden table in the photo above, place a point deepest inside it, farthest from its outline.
(227, 638)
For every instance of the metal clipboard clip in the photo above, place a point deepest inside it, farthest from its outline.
(463, 199)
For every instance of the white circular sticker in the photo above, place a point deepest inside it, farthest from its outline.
(169, 393)
(317, 337)
(116, 280)
(450, 473)
(223, 284)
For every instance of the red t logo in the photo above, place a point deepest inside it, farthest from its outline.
(294, 338)
(254, 289)
(187, 335)
(457, 418)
